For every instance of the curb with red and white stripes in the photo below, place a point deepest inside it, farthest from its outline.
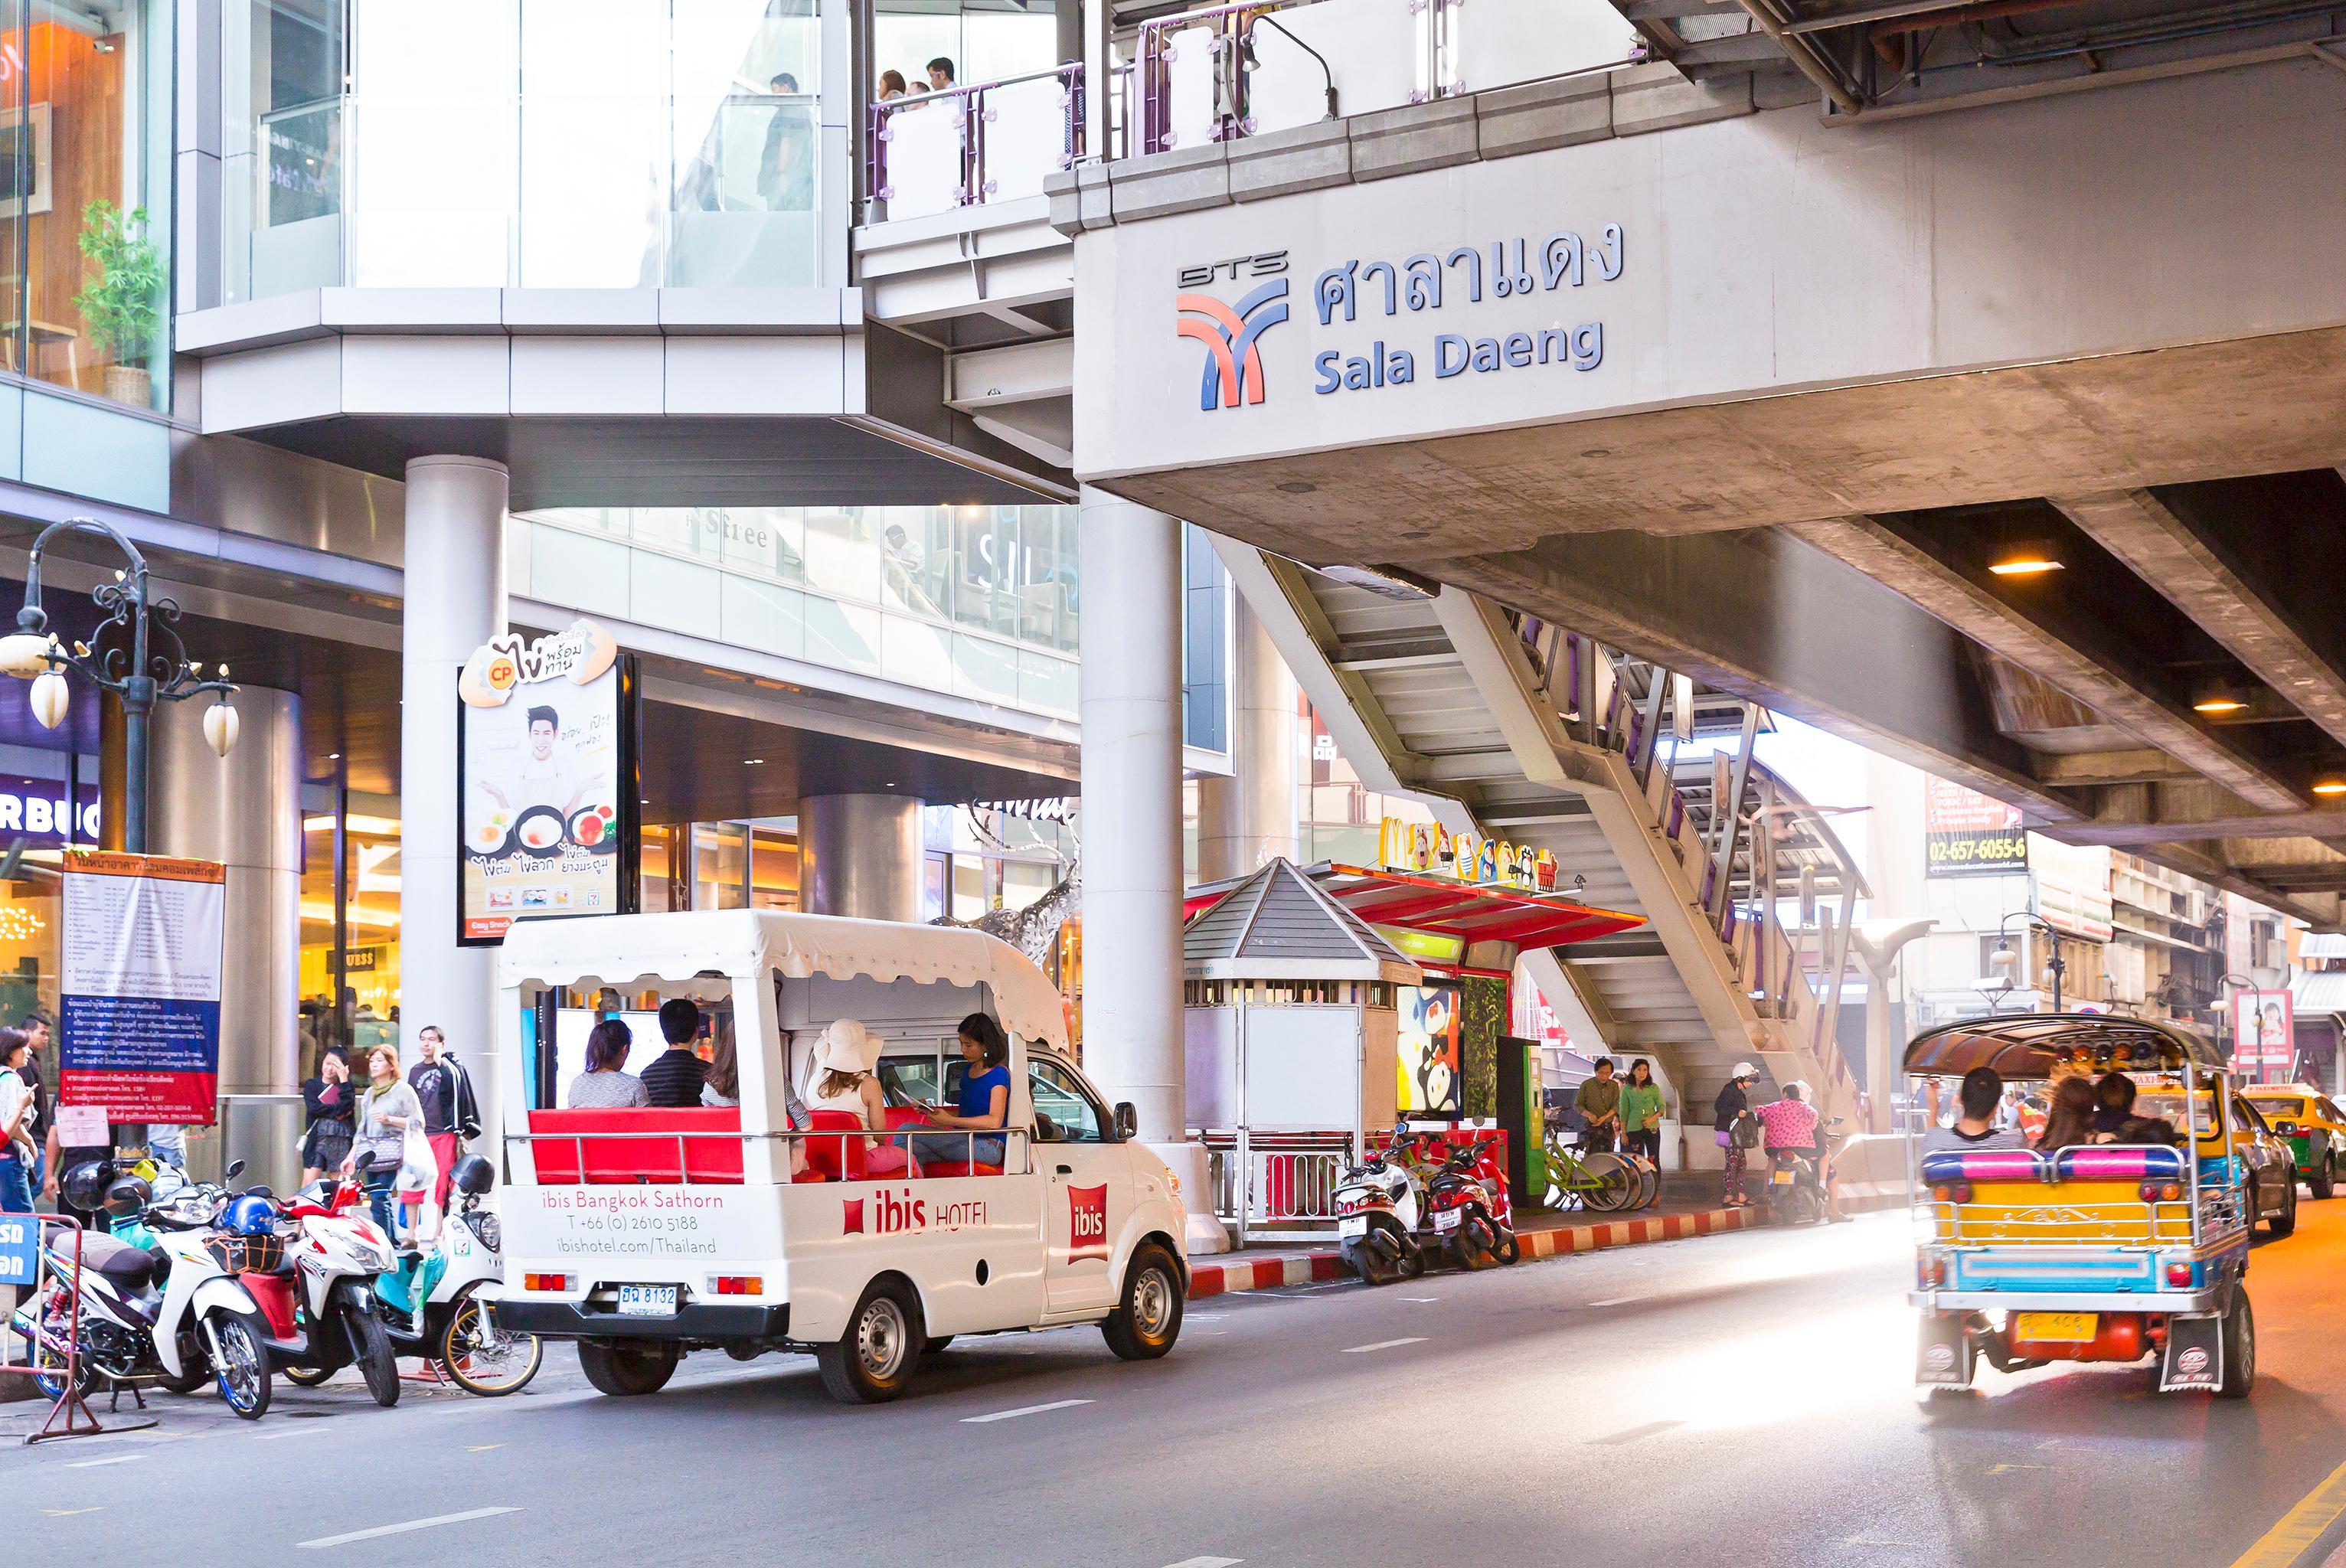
(1304, 1268)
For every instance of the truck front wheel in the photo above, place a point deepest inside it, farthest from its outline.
(1148, 1320)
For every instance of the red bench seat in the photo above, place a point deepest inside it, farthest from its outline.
(566, 1150)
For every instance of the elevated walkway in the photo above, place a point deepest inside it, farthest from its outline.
(1516, 729)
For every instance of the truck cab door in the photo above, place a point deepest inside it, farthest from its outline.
(1088, 1190)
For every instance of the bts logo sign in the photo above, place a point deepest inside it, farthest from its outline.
(1087, 1223)
(1233, 369)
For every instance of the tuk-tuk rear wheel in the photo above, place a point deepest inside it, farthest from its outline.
(2240, 1337)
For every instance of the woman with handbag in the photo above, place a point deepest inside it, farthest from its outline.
(1733, 1106)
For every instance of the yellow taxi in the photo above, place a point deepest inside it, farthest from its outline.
(2310, 1124)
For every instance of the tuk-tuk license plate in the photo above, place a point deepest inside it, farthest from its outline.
(2057, 1327)
(658, 1301)
(1357, 1225)
(1781, 1179)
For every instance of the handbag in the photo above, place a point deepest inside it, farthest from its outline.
(1723, 1138)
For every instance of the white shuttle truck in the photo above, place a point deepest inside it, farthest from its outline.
(645, 1234)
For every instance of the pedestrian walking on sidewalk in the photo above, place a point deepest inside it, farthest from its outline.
(444, 1090)
(1734, 1103)
(16, 1114)
(1641, 1114)
(1599, 1101)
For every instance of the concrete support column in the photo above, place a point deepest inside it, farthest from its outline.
(1247, 820)
(860, 855)
(1131, 710)
(455, 601)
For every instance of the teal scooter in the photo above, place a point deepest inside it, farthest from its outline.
(441, 1303)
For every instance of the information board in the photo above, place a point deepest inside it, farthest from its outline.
(20, 1250)
(139, 986)
(1967, 834)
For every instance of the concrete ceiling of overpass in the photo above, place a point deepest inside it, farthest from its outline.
(1825, 552)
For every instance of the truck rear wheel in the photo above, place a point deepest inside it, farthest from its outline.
(872, 1362)
(624, 1367)
(1148, 1319)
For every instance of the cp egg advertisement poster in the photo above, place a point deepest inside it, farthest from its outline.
(543, 760)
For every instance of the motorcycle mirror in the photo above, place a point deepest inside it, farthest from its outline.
(235, 1169)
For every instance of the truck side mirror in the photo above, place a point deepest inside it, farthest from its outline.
(1128, 1120)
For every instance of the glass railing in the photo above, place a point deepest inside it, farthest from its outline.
(1243, 70)
(965, 147)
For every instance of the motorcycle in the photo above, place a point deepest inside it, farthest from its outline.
(1471, 1212)
(1796, 1184)
(1378, 1203)
(441, 1304)
(315, 1288)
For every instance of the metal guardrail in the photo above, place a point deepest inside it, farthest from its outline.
(1276, 1183)
(967, 145)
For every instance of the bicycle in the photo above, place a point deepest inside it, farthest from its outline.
(1598, 1180)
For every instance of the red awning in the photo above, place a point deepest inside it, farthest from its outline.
(1445, 908)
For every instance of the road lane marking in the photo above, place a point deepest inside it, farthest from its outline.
(2000, 1469)
(1206, 1563)
(1619, 1300)
(2302, 1529)
(1633, 1434)
(1023, 1411)
(483, 1448)
(435, 1521)
(275, 1437)
(1382, 1345)
(116, 1459)
(1420, 1298)
(70, 1513)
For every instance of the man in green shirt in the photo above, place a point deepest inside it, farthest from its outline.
(1599, 1105)
(1641, 1113)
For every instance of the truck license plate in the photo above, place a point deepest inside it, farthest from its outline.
(1355, 1224)
(646, 1300)
(2057, 1327)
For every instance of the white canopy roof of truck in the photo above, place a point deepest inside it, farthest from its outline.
(617, 950)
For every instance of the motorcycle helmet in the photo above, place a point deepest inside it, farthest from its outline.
(473, 1175)
(126, 1199)
(85, 1185)
(249, 1214)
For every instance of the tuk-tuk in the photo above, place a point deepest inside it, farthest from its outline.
(2099, 1252)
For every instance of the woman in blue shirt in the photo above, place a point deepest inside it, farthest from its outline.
(985, 1099)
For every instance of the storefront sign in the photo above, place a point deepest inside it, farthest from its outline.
(1967, 834)
(138, 972)
(2264, 1034)
(1426, 849)
(38, 809)
(547, 755)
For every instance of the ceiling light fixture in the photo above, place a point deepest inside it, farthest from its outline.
(2218, 702)
(752, 761)
(2027, 559)
(2330, 786)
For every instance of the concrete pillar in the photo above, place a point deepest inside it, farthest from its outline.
(455, 601)
(1247, 820)
(860, 855)
(1131, 710)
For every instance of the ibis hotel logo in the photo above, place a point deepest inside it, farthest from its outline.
(1232, 373)
(1086, 1223)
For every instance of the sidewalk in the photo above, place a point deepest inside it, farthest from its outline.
(1689, 1207)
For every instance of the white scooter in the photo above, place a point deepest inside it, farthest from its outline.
(1377, 1208)
(441, 1304)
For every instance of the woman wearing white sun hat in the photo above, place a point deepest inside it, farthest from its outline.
(1733, 1105)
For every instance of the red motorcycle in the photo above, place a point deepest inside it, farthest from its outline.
(1469, 1211)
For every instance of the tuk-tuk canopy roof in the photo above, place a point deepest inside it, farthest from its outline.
(2034, 1044)
(619, 950)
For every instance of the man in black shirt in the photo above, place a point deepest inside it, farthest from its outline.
(446, 1093)
(675, 1078)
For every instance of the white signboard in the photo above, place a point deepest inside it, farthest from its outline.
(139, 980)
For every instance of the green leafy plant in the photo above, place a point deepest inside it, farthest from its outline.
(120, 307)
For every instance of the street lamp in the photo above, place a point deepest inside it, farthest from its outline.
(140, 676)
(2005, 958)
(2224, 1029)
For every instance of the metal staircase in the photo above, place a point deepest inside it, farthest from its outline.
(1508, 726)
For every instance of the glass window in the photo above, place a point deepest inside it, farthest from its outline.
(720, 866)
(593, 136)
(774, 870)
(747, 171)
(1204, 677)
(1064, 1114)
(434, 132)
(906, 1076)
(84, 196)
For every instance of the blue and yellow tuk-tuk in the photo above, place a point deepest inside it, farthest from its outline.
(2100, 1252)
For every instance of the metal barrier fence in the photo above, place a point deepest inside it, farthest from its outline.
(1276, 1185)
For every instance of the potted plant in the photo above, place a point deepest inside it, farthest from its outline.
(120, 308)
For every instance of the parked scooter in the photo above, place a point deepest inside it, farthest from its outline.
(120, 1297)
(318, 1294)
(1377, 1208)
(441, 1304)
(1472, 1212)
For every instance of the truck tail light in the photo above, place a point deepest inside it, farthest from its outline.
(1931, 1272)
(560, 1283)
(2179, 1277)
(1952, 1192)
(736, 1285)
(2161, 1191)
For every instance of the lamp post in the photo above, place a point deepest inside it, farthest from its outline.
(141, 674)
(2230, 1035)
(2005, 958)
